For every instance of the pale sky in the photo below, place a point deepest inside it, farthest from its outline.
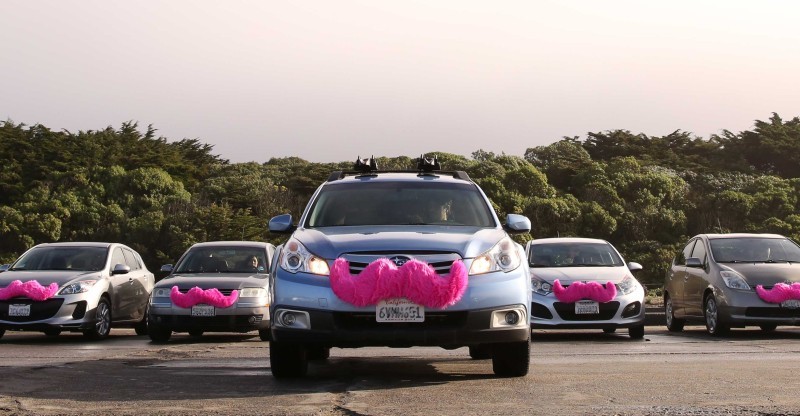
(328, 80)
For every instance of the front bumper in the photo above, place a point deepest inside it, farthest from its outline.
(68, 313)
(360, 329)
(740, 308)
(624, 311)
(233, 319)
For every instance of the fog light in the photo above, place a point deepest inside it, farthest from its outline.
(512, 317)
(251, 319)
(288, 319)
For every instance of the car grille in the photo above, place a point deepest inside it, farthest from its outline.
(433, 320)
(567, 312)
(226, 292)
(39, 310)
(440, 262)
(772, 313)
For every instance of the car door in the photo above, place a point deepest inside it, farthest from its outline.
(121, 299)
(137, 280)
(696, 281)
(676, 278)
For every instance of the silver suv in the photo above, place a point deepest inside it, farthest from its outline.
(399, 259)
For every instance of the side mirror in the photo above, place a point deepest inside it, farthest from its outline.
(121, 269)
(167, 268)
(517, 224)
(4, 267)
(634, 267)
(281, 224)
(694, 262)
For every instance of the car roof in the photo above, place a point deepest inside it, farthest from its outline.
(560, 240)
(77, 244)
(742, 235)
(232, 243)
(399, 177)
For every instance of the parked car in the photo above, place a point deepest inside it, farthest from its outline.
(219, 286)
(86, 287)
(734, 280)
(400, 259)
(584, 283)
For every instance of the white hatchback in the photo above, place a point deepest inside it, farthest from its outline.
(582, 283)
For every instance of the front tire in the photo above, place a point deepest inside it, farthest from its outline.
(288, 360)
(197, 333)
(52, 332)
(102, 326)
(609, 330)
(141, 327)
(318, 353)
(2, 332)
(714, 326)
(480, 352)
(673, 324)
(636, 332)
(511, 359)
(264, 334)
(768, 327)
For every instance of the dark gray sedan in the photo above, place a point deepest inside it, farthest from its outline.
(732, 281)
(219, 286)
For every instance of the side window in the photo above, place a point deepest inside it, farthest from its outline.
(699, 251)
(130, 260)
(117, 258)
(680, 259)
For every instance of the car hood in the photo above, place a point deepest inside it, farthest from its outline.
(213, 280)
(568, 275)
(766, 274)
(332, 242)
(45, 277)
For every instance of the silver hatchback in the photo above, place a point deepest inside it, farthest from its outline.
(86, 287)
(734, 280)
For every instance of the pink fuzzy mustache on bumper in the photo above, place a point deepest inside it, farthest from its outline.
(779, 293)
(579, 290)
(382, 279)
(196, 295)
(30, 289)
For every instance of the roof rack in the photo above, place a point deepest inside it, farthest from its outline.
(425, 166)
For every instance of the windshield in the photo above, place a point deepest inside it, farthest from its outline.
(753, 250)
(400, 203)
(573, 255)
(63, 258)
(226, 259)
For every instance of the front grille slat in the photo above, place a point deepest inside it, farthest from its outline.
(440, 262)
(226, 292)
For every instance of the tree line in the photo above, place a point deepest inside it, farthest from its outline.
(647, 195)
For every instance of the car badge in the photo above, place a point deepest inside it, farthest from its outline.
(399, 261)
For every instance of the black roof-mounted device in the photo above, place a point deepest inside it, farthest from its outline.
(425, 166)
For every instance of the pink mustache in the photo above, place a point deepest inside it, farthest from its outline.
(779, 293)
(30, 289)
(196, 295)
(416, 281)
(579, 290)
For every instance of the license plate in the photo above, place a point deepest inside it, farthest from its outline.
(203, 310)
(586, 307)
(790, 304)
(399, 310)
(19, 310)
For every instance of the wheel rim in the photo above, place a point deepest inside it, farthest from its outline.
(711, 315)
(103, 319)
(668, 314)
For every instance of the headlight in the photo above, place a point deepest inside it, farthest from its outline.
(161, 292)
(295, 258)
(77, 287)
(540, 286)
(253, 292)
(502, 257)
(627, 285)
(734, 280)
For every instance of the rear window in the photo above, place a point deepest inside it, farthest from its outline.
(400, 203)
